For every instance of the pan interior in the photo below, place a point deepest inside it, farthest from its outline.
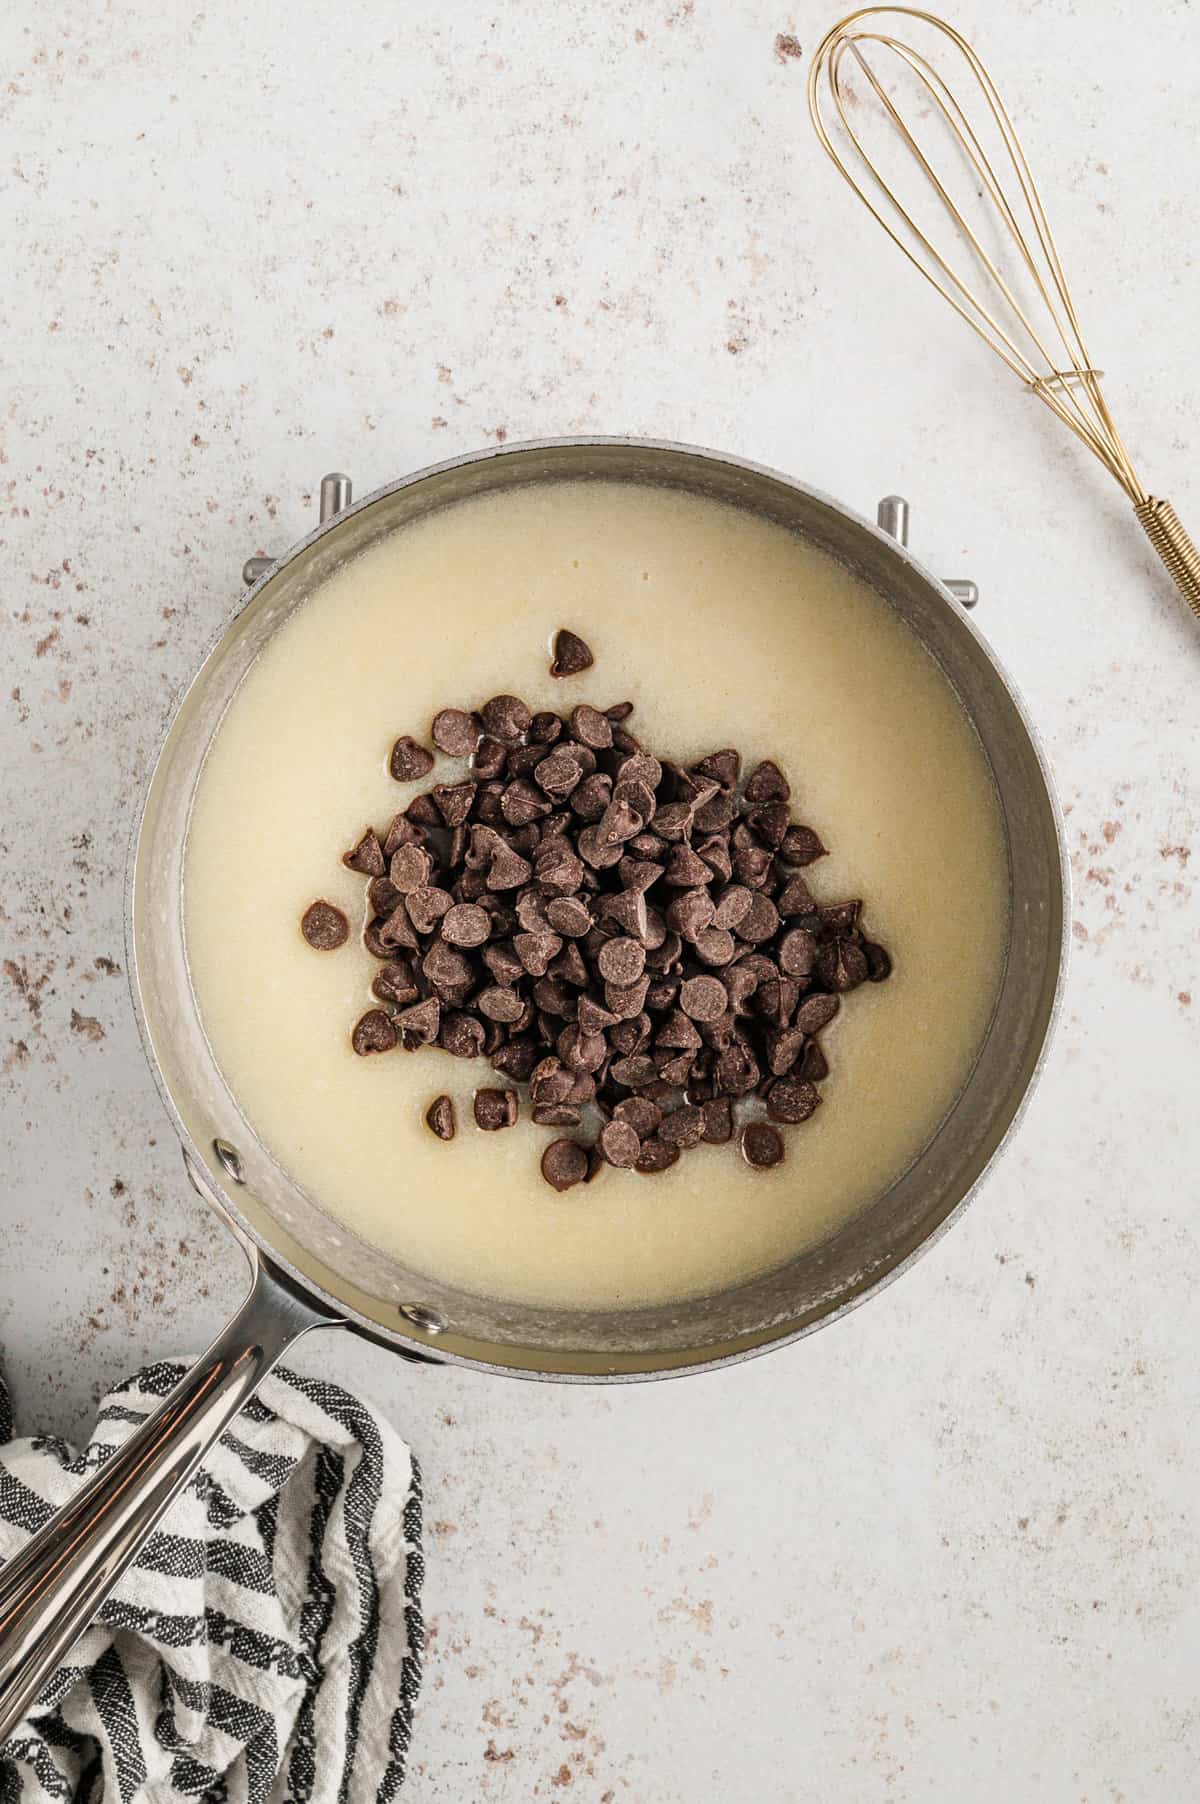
(824, 1277)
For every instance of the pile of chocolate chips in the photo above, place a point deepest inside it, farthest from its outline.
(632, 940)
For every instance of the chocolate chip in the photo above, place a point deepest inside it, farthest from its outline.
(801, 846)
(621, 961)
(403, 832)
(628, 1036)
(626, 1000)
(752, 865)
(674, 821)
(717, 1121)
(373, 942)
(760, 922)
(427, 905)
(690, 913)
(580, 1051)
(766, 783)
(422, 1019)
(715, 853)
(703, 998)
(411, 867)
(722, 767)
(771, 822)
(535, 950)
(461, 1035)
(797, 952)
(634, 1072)
(795, 898)
(733, 906)
(715, 946)
(716, 814)
(409, 760)
(879, 964)
(422, 812)
(489, 759)
(683, 1127)
(569, 916)
(439, 1117)
(373, 1033)
(556, 1114)
(571, 654)
(545, 728)
(367, 856)
(507, 719)
(591, 728)
(495, 1109)
(593, 1019)
(446, 969)
(324, 926)
(453, 801)
(737, 1070)
(678, 1030)
(620, 1144)
(684, 870)
(784, 1046)
(517, 1058)
(521, 803)
(842, 965)
(466, 924)
(455, 732)
(791, 1099)
(564, 1163)
(642, 1115)
(499, 1004)
(656, 1155)
(507, 870)
(841, 918)
(592, 796)
(814, 1013)
(812, 1064)
(597, 851)
(395, 984)
(762, 1145)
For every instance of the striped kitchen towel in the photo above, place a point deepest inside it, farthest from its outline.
(267, 1644)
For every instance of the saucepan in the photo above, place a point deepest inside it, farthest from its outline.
(308, 1270)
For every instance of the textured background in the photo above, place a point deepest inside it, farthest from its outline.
(949, 1548)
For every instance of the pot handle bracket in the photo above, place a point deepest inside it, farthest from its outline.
(891, 516)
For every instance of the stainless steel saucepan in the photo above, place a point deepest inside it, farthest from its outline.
(307, 1270)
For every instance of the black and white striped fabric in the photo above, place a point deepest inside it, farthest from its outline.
(267, 1644)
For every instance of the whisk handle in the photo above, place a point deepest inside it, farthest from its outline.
(1162, 527)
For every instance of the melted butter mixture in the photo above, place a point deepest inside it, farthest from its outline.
(722, 630)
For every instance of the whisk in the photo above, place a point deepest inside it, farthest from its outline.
(1021, 308)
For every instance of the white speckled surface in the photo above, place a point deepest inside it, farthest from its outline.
(949, 1548)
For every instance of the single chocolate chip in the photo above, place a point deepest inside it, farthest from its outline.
(791, 1099)
(766, 783)
(842, 965)
(545, 728)
(665, 957)
(619, 822)
(638, 874)
(628, 1036)
(591, 728)
(760, 922)
(684, 870)
(507, 870)
(395, 984)
(590, 799)
(673, 821)
(403, 832)
(771, 823)
(454, 801)
(409, 760)
(462, 1036)
(569, 916)
(716, 813)
(522, 803)
(814, 1013)
(841, 918)
(621, 961)
(367, 856)
(619, 711)
(571, 654)
(656, 1155)
(752, 865)
(783, 1046)
(489, 759)
(466, 924)
(733, 907)
(373, 942)
(499, 1004)
(324, 926)
(678, 1029)
(373, 1033)
(762, 1145)
(564, 1163)
(797, 952)
(879, 964)
(557, 772)
(801, 846)
(427, 905)
(795, 898)
(703, 998)
(439, 1116)
(776, 998)
(411, 867)
(495, 1109)
(506, 718)
(737, 1070)
(579, 1051)
(715, 852)
(717, 1121)
(550, 1081)
(422, 1019)
(422, 812)
(456, 732)
(536, 948)
(722, 767)
(595, 849)
(642, 1115)
(620, 1144)
(517, 1058)
(593, 1019)
(812, 1064)
(634, 1072)
(683, 1127)
(446, 970)
(715, 946)
(627, 1000)
(690, 913)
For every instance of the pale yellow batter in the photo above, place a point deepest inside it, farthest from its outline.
(722, 630)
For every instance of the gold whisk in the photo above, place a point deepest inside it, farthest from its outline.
(1042, 343)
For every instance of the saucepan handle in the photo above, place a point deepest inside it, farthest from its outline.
(52, 1589)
